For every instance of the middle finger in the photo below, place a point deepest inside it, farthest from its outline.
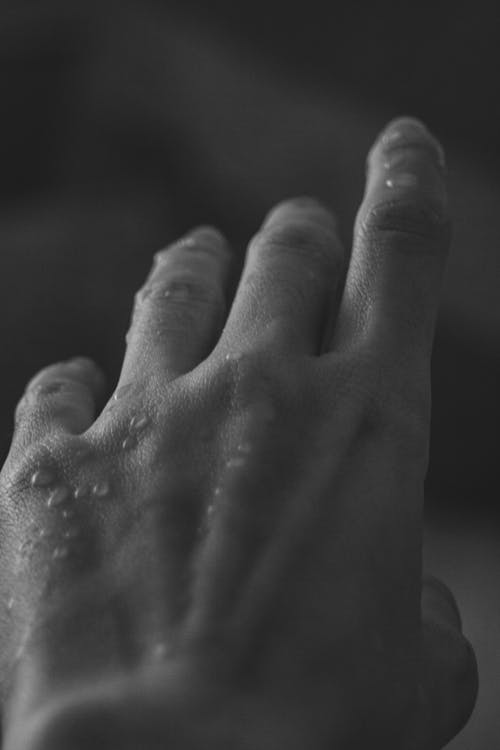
(290, 280)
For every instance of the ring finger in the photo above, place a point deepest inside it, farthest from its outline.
(180, 310)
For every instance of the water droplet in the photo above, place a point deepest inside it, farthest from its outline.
(81, 491)
(42, 533)
(68, 513)
(402, 180)
(218, 491)
(233, 357)
(122, 391)
(235, 462)
(60, 552)
(139, 421)
(25, 544)
(391, 137)
(71, 532)
(101, 489)
(245, 447)
(58, 496)
(181, 289)
(160, 257)
(42, 478)
(10, 603)
(129, 442)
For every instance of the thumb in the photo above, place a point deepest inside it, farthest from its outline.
(448, 677)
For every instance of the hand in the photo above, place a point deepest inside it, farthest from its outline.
(229, 555)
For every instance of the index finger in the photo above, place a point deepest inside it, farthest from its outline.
(401, 242)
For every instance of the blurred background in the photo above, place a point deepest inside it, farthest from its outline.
(123, 124)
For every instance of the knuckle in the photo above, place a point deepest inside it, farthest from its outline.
(419, 218)
(191, 291)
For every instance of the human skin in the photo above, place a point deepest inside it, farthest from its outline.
(227, 552)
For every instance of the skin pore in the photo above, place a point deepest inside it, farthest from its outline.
(226, 552)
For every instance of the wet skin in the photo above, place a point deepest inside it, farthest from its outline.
(227, 553)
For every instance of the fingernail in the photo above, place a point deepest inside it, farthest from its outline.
(304, 207)
(438, 603)
(407, 160)
(407, 132)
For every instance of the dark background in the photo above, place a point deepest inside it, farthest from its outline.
(124, 124)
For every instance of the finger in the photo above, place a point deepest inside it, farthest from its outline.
(62, 397)
(449, 680)
(401, 240)
(290, 279)
(180, 310)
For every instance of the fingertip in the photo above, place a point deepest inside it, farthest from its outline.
(304, 207)
(405, 132)
(86, 369)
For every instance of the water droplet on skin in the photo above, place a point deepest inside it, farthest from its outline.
(58, 496)
(129, 442)
(60, 552)
(218, 491)
(138, 422)
(68, 513)
(80, 491)
(10, 603)
(391, 137)
(245, 447)
(122, 391)
(72, 532)
(233, 357)
(182, 290)
(235, 462)
(42, 478)
(402, 180)
(101, 489)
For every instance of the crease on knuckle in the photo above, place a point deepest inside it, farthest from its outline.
(188, 291)
(418, 219)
